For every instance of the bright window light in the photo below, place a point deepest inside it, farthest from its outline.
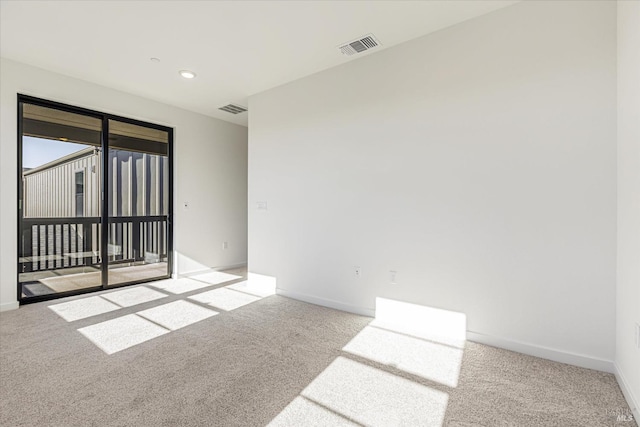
(374, 397)
(121, 333)
(215, 277)
(259, 288)
(225, 299)
(447, 327)
(133, 296)
(261, 279)
(179, 286)
(303, 412)
(177, 314)
(83, 308)
(436, 362)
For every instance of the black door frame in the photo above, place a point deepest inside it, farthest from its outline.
(104, 224)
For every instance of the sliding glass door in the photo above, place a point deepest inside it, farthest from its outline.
(138, 194)
(94, 200)
(59, 206)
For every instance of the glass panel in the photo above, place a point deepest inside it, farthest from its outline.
(138, 195)
(59, 240)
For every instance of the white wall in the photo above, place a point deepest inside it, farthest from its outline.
(210, 169)
(628, 289)
(479, 162)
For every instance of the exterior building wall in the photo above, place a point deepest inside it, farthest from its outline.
(139, 184)
(138, 187)
(50, 193)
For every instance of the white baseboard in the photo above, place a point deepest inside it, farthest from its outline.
(370, 312)
(208, 270)
(628, 394)
(9, 306)
(507, 344)
(544, 352)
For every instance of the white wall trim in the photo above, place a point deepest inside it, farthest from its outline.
(370, 312)
(208, 270)
(543, 352)
(628, 394)
(9, 306)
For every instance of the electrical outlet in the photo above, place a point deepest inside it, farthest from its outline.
(358, 272)
(392, 276)
(225, 245)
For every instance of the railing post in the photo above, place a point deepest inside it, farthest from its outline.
(135, 237)
(86, 244)
(74, 239)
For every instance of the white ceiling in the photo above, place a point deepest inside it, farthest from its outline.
(237, 48)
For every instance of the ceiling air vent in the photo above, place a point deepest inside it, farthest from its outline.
(233, 109)
(359, 45)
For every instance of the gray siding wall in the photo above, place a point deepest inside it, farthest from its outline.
(50, 193)
(139, 187)
(139, 184)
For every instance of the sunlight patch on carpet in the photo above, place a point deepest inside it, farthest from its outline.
(83, 308)
(177, 314)
(214, 277)
(374, 397)
(179, 286)
(260, 286)
(133, 296)
(121, 333)
(303, 412)
(429, 360)
(225, 299)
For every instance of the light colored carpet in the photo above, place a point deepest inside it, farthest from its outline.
(272, 361)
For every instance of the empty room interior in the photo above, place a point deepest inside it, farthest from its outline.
(320, 213)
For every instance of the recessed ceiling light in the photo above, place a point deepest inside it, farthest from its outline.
(187, 74)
